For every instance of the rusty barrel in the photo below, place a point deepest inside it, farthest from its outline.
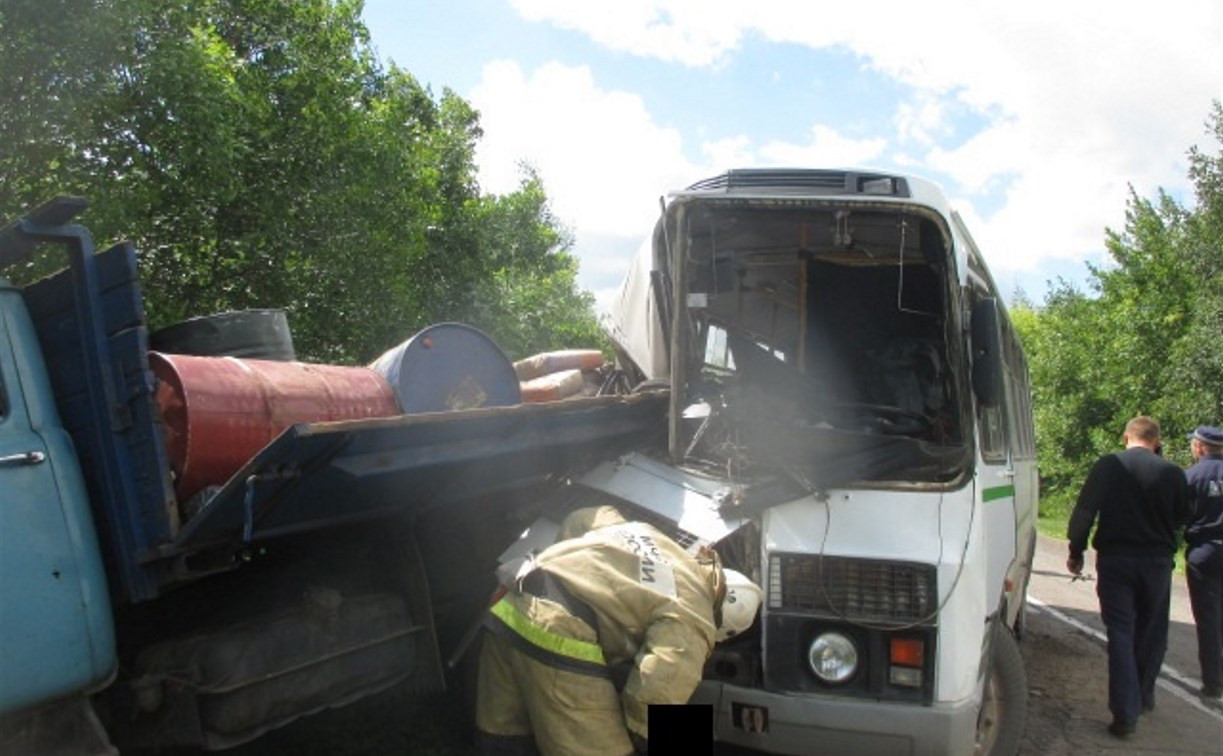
(553, 386)
(546, 363)
(218, 412)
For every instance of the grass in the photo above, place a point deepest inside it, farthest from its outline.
(1054, 516)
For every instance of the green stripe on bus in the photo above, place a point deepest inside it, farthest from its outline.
(999, 492)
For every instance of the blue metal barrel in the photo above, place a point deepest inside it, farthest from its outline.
(449, 366)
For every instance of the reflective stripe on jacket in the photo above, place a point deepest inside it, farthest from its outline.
(543, 643)
(653, 602)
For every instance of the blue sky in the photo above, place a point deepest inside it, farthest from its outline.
(1036, 118)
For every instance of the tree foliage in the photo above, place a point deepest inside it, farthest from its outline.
(1144, 340)
(259, 155)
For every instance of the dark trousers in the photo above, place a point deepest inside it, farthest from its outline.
(1135, 595)
(1204, 570)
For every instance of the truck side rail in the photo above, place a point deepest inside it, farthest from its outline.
(91, 329)
(317, 475)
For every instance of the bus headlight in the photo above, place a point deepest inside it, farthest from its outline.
(833, 658)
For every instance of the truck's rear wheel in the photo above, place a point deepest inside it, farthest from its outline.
(1004, 710)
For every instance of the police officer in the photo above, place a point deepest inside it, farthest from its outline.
(608, 596)
(1204, 553)
(1141, 501)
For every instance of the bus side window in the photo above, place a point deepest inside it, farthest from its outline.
(1023, 440)
(992, 421)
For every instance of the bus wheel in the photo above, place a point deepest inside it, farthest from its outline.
(1004, 710)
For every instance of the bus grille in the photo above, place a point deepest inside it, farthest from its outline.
(857, 589)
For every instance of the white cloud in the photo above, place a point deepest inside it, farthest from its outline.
(692, 32)
(604, 161)
(597, 151)
(990, 156)
(729, 152)
(922, 119)
(826, 148)
(1073, 100)
(1051, 214)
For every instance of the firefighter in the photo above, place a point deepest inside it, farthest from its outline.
(611, 618)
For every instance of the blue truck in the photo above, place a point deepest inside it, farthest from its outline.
(343, 558)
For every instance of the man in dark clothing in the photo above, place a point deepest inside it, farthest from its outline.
(1140, 501)
(1204, 553)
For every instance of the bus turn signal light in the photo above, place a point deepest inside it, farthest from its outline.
(907, 652)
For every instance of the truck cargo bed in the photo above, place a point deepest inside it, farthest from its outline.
(320, 474)
(92, 331)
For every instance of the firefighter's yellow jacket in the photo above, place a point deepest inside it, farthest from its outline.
(652, 601)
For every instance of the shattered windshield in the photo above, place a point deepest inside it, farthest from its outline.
(820, 342)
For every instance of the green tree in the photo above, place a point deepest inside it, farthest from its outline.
(259, 155)
(1194, 387)
(1144, 340)
(531, 302)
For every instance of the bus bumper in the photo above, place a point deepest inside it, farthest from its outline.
(802, 724)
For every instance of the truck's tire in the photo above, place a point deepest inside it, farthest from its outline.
(250, 334)
(1004, 710)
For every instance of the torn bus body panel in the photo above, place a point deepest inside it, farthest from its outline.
(821, 336)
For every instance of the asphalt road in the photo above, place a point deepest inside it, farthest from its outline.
(1068, 675)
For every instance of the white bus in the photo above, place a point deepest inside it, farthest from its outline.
(850, 424)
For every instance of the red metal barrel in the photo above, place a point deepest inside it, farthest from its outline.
(219, 411)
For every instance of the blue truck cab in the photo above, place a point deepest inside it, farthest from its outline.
(59, 637)
(342, 559)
